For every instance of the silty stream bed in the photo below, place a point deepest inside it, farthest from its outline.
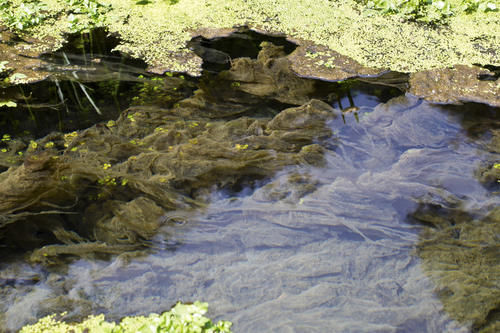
(294, 216)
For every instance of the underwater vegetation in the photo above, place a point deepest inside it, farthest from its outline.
(460, 248)
(462, 256)
(107, 189)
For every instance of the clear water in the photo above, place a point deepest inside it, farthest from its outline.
(338, 259)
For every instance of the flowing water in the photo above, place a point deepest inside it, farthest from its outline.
(329, 248)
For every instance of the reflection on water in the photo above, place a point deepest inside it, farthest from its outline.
(335, 257)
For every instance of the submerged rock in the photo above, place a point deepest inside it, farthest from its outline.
(457, 85)
(270, 76)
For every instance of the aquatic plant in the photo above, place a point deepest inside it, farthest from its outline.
(8, 103)
(92, 10)
(185, 318)
(160, 91)
(429, 11)
(3, 66)
(163, 159)
(470, 6)
(461, 255)
(23, 15)
(349, 27)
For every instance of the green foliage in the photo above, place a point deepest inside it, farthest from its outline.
(470, 6)
(4, 71)
(182, 318)
(3, 65)
(147, 2)
(91, 10)
(16, 78)
(8, 103)
(428, 11)
(23, 16)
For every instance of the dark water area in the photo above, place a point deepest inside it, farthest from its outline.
(89, 83)
(336, 246)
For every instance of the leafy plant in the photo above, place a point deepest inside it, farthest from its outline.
(93, 11)
(3, 65)
(8, 103)
(185, 318)
(428, 11)
(4, 71)
(470, 6)
(147, 2)
(22, 16)
(17, 78)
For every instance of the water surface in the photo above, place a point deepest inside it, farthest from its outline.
(311, 249)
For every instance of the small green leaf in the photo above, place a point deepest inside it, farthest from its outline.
(490, 6)
(9, 104)
(3, 65)
(17, 77)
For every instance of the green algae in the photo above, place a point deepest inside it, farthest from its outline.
(462, 256)
(158, 32)
(459, 247)
(106, 189)
(460, 250)
(489, 173)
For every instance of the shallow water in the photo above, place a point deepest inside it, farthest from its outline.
(338, 259)
(338, 256)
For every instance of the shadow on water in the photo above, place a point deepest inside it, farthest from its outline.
(272, 197)
(217, 53)
(89, 83)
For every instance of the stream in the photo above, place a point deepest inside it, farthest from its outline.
(328, 247)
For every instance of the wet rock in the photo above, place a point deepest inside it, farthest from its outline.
(316, 61)
(456, 85)
(22, 60)
(288, 188)
(270, 76)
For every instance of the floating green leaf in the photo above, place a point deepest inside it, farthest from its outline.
(186, 318)
(9, 104)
